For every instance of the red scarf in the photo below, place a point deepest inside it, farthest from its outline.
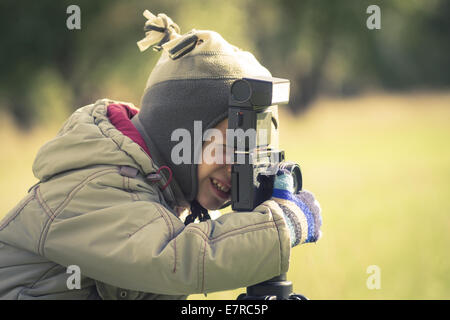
(120, 116)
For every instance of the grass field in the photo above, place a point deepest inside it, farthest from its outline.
(380, 167)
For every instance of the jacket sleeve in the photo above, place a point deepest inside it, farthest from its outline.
(143, 246)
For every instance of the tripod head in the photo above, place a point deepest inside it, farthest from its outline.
(277, 288)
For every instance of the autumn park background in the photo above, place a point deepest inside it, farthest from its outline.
(368, 119)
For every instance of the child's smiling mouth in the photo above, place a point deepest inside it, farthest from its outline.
(220, 188)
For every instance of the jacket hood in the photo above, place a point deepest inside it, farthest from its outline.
(87, 139)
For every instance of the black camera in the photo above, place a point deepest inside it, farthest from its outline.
(253, 124)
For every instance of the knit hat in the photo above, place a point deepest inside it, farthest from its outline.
(190, 82)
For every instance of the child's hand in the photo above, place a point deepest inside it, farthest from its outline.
(301, 211)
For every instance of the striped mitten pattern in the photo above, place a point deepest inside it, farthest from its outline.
(301, 211)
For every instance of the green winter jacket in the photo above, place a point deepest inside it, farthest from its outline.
(93, 208)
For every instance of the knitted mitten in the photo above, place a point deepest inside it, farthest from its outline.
(301, 211)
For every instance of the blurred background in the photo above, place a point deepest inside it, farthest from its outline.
(368, 119)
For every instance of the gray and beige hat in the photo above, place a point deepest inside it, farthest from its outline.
(190, 82)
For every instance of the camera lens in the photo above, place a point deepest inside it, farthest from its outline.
(296, 173)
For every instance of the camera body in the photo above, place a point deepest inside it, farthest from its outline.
(256, 158)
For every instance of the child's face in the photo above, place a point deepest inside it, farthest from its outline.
(214, 180)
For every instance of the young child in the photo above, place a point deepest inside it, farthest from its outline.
(109, 196)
